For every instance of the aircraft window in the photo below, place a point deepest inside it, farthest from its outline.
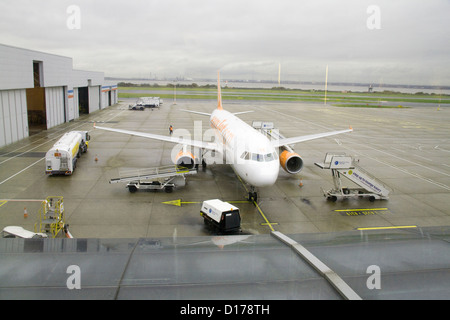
(246, 155)
(257, 157)
(268, 157)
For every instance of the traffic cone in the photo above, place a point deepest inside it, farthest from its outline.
(25, 213)
(301, 183)
(96, 158)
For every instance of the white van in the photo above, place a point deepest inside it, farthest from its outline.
(221, 215)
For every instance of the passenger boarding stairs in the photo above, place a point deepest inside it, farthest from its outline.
(346, 166)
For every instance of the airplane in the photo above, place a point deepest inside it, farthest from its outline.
(252, 154)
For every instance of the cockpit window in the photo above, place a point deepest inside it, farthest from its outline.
(257, 157)
(268, 157)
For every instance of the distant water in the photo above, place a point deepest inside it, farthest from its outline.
(306, 86)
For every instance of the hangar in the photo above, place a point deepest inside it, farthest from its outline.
(39, 91)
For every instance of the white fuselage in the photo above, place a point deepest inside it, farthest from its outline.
(247, 150)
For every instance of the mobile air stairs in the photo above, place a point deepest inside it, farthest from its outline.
(52, 221)
(158, 178)
(346, 166)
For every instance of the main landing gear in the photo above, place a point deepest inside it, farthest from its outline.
(203, 165)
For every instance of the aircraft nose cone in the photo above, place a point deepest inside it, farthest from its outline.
(267, 176)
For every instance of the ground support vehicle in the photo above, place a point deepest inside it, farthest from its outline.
(62, 157)
(342, 165)
(221, 215)
(159, 178)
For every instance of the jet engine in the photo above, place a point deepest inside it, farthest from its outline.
(290, 161)
(185, 159)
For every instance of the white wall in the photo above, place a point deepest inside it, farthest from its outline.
(13, 116)
(70, 104)
(106, 91)
(76, 111)
(94, 98)
(114, 95)
(58, 78)
(54, 106)
(104, 100)
(82, 78)
(16, 68)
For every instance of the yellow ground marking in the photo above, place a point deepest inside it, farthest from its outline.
(264, 217)
(257, 207)
(178, 202)
(360, 212)
(383, 228)
(373, 209)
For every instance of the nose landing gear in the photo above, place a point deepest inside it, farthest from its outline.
(252, 194)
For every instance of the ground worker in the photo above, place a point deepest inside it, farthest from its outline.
(170, 129)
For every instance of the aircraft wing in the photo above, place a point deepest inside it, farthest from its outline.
(293, 140)
(197, 112)
(242, 112)
(183, 141)
(209, 114)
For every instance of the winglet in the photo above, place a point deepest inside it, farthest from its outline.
(219, 93)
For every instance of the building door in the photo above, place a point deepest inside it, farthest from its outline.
(37, 118)
(83, 100)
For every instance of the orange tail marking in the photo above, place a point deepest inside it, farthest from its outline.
(219, 93)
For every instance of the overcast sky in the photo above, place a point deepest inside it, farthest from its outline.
(397, 41)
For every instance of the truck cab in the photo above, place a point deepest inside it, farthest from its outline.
(85, 137)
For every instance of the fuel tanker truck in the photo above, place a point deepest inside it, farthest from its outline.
(62, 157)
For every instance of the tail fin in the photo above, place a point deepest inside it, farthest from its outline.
(219, 93)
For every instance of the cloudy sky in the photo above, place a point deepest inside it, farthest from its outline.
(378, 41)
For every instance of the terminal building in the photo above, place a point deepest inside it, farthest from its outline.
(39, 91)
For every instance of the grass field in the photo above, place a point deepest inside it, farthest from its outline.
(342, 99)
(367, 106)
